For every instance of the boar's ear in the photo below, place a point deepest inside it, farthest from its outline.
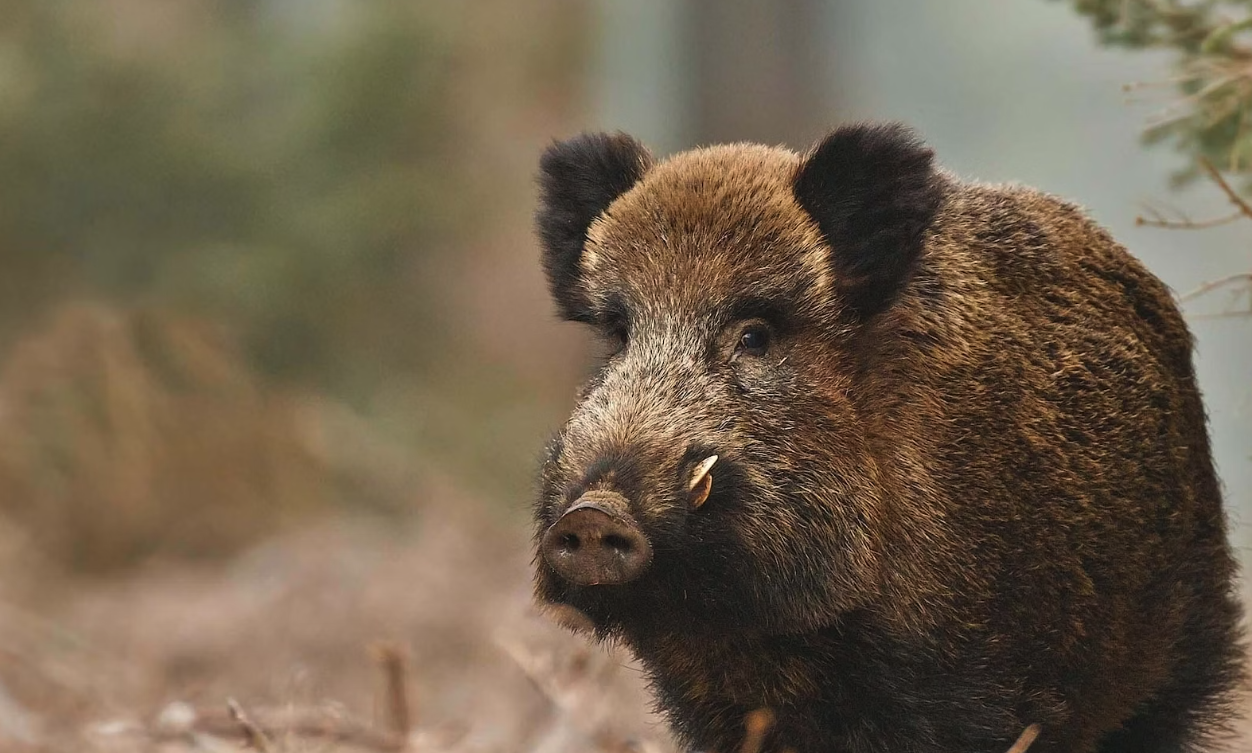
(873, 191)
(578, 179)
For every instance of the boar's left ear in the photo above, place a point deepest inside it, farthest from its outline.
(873, 191)
(578, 179)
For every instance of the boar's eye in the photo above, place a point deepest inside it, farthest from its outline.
(754, 340)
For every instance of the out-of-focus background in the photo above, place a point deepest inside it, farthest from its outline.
(276, 359)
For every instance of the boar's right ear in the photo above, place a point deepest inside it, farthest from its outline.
(578, 179)
(873, 191)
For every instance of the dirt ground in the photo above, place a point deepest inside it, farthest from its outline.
(304, 635)
(332, 638)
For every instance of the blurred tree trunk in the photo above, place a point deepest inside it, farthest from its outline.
(759, 71)
(677, 73)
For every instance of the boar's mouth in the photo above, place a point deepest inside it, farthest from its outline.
(678, 557)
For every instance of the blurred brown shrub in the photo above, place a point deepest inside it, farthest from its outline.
(127, 433)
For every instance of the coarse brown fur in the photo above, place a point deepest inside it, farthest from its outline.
(966, 488)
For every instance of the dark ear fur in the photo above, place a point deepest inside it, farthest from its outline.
(872, 190)
(578, 179)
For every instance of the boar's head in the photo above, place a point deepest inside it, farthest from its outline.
(715, 471)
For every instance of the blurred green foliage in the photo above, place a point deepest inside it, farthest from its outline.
(260, 258)
(276, 166)
(1211, 41)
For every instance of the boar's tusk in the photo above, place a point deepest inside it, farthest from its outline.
(701, 482)
(701, 471)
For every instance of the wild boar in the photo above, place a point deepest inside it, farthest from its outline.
(911, 462)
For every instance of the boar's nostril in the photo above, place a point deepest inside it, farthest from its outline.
(620, 543)
(595, 544)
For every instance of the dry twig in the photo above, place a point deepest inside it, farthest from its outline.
(1025, 740)
(260, 728)
(1245, 277)
(306, 724)
(1230, 192)
(757, 725)
(252, 734)
(1243, 210)
(393, 660)
(1157, 220)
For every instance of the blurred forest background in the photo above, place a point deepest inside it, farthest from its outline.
(276, 360)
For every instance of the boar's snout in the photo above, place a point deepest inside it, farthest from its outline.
(597, 542)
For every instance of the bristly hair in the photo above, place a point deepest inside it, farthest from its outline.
(873, 191)
(579, 179)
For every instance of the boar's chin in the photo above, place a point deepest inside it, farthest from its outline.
(599, 610)
(699, 602)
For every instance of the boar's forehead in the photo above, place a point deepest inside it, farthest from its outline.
(705, 228)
